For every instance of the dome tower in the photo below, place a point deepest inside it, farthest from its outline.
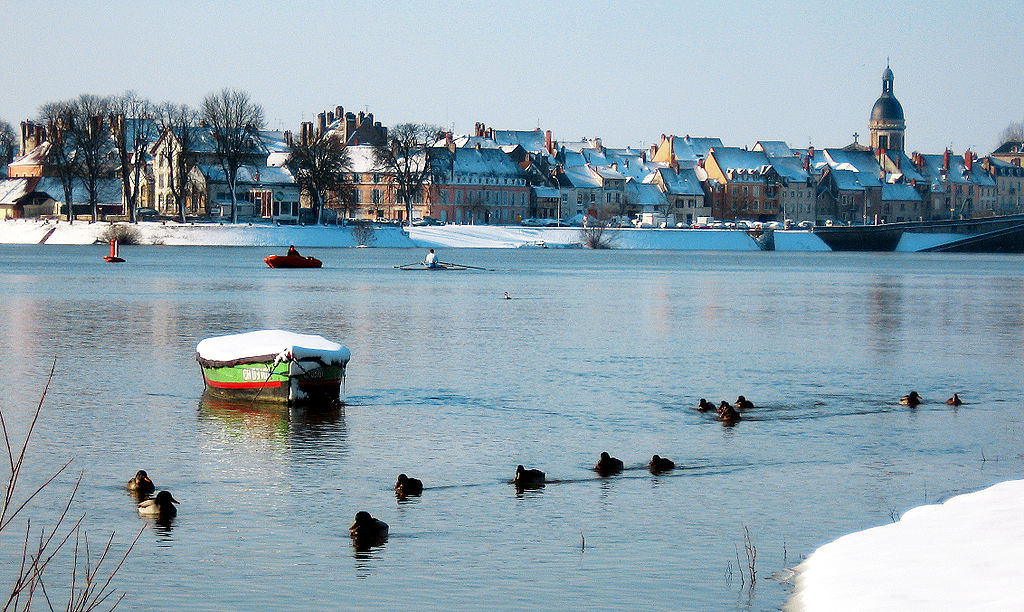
(887, 125)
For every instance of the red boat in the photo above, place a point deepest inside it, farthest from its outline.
(292, 261)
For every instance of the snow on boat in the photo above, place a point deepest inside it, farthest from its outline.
(292, 261)
(273, 365)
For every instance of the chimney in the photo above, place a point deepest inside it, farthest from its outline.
(369, 118)
(597, 144)
(945, 160)
(350, 125)
(359, 119)
(547, 142)
(807, 162)
(339, 113)
(321, 123)
(490, 133)
(898, 159)
(674, 164)
(288, 138)
(968, 160)
(654, 150)
(330, 117)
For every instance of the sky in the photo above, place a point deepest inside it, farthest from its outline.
(803, 72)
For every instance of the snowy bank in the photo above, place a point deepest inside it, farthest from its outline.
(31, 231)
(963, 554)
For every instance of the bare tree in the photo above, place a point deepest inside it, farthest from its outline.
(7, 142)
(92, 145)
(234, 120)
(319, 160)
(132, 126)
(1013, 131)
(178, 122)
(60, 155)
(405, 155)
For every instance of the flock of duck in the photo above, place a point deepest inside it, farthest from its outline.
(369, 531)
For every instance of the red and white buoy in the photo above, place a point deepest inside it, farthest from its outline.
(113, 257)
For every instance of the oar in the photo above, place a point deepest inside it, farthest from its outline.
(448, 263)
(415, 263)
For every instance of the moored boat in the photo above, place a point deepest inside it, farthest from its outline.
(292, 261)
(273, 365)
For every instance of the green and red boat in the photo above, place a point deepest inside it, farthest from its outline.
(274, 365)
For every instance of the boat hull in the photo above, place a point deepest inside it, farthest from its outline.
(292, 261)
(294, 381)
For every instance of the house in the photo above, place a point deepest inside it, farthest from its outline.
(744, 184)
(683, 191)
(685, 151)
(1009, 179)
(959, 187)
(477, 185)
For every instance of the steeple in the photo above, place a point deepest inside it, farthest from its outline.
(887, 124)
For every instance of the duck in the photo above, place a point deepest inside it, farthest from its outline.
(528, 478)
(661, 464)
(367, 530)
(911, 399)
(727, 414)
(161, 506)
(507, 296)
(704, 405)
(141, 484)
(743, 403)
(608, 465)
(955, 400)
(408, 486)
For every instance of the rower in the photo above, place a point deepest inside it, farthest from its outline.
(430, 260)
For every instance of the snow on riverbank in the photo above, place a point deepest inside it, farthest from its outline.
(963, 554)
(30, 231)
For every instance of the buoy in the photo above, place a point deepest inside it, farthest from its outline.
(113, 257)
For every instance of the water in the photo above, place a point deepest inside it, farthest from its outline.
(455, 385)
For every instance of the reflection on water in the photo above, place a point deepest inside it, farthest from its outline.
(293, 426)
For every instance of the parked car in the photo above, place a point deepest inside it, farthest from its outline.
(426, 221)
(146, 212)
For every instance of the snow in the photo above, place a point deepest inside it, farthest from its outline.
(269, 342)
(959, 555)
(911, 242)
(31, 231)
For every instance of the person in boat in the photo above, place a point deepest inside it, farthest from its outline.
(292, 252)
(430, 260)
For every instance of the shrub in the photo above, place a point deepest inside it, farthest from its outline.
(124, 233)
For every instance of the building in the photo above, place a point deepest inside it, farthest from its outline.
(683, 192)
(743, 183)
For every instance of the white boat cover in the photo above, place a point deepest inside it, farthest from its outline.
(267, 345)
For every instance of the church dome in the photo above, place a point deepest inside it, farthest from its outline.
(887, 109)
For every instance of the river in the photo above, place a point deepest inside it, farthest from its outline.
(453, 384)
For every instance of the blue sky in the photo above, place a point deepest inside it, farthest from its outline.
(625, 72)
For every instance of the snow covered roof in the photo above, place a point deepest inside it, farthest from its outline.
(34, 157)
(906, 167)
(582, 177)
(483, 162)
(608, 173)
(531, 140)
(957, 172)
(109, 190)
(273, 141)
(790, 168)
(548, 193)
(362, 159)
(861, 161)
(736, 159)
(690, 149)
(684, 182)
(899, 192)
(12, 190)
(645, 195)
(250, 175)
(774, 148)
(851, 180)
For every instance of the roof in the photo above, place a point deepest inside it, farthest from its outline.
(12, 190)
(109, 190)
(582, 177)
(957, 172)
(683, 182)
(482, 162)
(790, 168)
(1010, 146)
(690, 149)
(736, 159)
(250, 175)
(894, 192)
(550, 193)
(532, 140)
(851, 180)
(645, 195)
(774, 148)
(846, 159)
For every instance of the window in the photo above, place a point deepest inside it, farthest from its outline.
(375, 196)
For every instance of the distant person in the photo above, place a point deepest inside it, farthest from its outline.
(430, 260)
(292, 252)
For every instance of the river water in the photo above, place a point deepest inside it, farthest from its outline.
(453, 384)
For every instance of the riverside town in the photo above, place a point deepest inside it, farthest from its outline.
(124, 159)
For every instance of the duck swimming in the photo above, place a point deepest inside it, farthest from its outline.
(727, 414)
(161, 506)
(911, 399)
(528, 478)
(743, 403)
(955, 400)
(704, 405)
(660, 464)
(608, 465)
(367, 530)
(408, 486)
(141, 484)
